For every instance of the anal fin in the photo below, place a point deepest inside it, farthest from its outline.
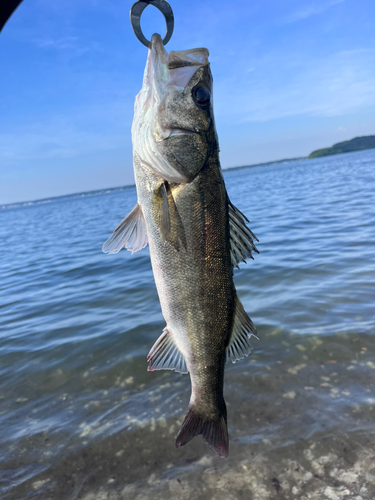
(243, 329)
(165, 355)
(130, 233)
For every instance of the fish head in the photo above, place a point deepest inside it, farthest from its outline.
(173, 128)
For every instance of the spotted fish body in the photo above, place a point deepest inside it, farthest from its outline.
(196, 236)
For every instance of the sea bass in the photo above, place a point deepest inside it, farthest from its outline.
(196, 235)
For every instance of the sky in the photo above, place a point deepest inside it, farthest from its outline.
(290, 76)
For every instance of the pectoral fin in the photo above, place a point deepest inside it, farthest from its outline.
(241, 238)
(165, 227)
(243, 329)
(130, 233)
(160, 209)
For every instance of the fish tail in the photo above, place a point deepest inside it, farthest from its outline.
(214, 431)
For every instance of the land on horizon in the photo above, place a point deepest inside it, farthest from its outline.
(356, 144)
(127, 186)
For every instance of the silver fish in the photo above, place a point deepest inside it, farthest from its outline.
(196, 235)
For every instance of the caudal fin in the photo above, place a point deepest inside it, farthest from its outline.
(214, 432)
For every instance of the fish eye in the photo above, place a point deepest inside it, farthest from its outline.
(201, 95)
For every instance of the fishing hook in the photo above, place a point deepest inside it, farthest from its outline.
(135, 19)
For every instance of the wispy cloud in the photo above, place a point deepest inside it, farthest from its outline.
(308, 11)
(67, 42)
(338, 84)
(71, 45)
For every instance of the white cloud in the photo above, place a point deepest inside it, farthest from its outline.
(308, 11)
(68, 42)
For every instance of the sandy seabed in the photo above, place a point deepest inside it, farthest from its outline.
(306, 433)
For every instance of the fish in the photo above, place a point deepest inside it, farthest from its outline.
(195, 234)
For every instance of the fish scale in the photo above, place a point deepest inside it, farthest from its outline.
(196, 235)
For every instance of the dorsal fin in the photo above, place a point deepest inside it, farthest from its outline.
(164, 355)
(243, 329)
(241, 237)
(130, 233)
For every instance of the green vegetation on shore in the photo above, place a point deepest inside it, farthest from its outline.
(356, 144)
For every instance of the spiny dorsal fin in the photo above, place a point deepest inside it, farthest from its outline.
(164, 355)
(130, 233)
(241, 238)
(243, 329)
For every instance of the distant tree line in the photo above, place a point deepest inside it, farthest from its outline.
(356, 144)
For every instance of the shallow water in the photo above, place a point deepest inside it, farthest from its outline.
(80, 416)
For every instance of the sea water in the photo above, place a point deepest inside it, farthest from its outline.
(80, 415)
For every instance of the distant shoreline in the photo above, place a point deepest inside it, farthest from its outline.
(357, 144)
(266, 164)
(82, 194)
(51, 199)
(326, 152)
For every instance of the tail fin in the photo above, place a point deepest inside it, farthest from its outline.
(214, 432)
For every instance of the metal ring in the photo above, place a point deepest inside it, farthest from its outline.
(135, 19)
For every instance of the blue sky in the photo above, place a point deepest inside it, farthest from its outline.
(289, 77)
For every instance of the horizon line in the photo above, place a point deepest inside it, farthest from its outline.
(17, 204)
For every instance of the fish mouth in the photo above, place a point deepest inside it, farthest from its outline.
(175, 68)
